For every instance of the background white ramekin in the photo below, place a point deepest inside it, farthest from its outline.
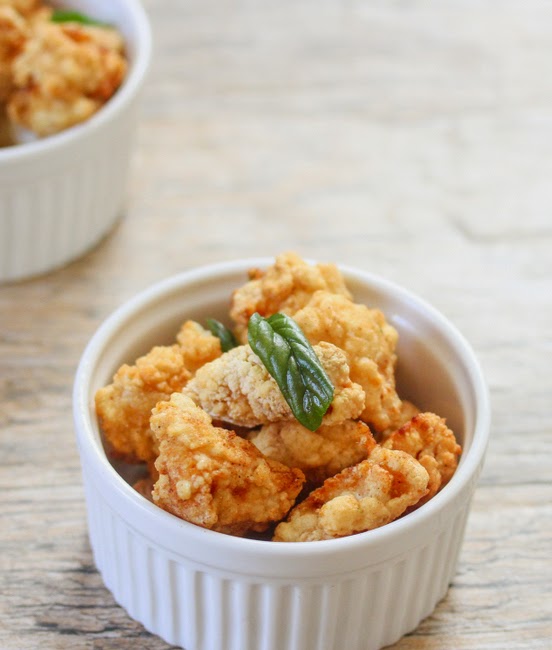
(203, 590)
(61, 194)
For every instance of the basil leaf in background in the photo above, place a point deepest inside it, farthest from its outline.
(288, 356)
(67, 16)
(227, 339)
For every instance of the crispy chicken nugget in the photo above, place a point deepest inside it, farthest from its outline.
(63, 75)
(13, 35)
(124, 407)
(319, 454)
(238, 389)
(427, 438)
(212, 477)
(198, 345)
(408, 411)
(284, 287)
(24, 7)
(368, 495)
(369, 343)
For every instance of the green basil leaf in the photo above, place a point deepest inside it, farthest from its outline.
(67, 16)
(227, 339)
(288, 356)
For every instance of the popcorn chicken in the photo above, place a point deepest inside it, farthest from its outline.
(238, 389)
(13, 35)
(368, 495)
(198, 345)
(63, 75)
(124, 407)
(407, 412)
(284, 287)
(212, 477)
(369, 343)
(427, 438)
(319, 454)
(23, 7)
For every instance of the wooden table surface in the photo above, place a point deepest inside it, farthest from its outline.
(411, 139)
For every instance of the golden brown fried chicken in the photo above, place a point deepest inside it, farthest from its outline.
(427, 438)
(284, 287)
(369, 343)
(124, 407)
(63, 75)
(23, 7)
(212, 477)
(319, 454)
(408, 411)
(13, 35)
(238, 389)
(368, 495)
(198, 345)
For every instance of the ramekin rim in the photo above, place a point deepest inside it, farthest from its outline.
(467, 470)
(117, 103)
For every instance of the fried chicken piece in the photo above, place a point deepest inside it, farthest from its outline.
(104, 37)
(64, 74)
(369, 343)
(408, 411)
(284, 287)
(199, 346)
(238, 389)
(319, 454)
(13, 35)
(124, 407)
(368, 495)
(212, 477)
(427, 438)
(23, 7)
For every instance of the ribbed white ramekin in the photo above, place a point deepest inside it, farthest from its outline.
(60, 195)
(203, 590)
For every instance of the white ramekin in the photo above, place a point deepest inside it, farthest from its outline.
(61, 194)
(203, 590)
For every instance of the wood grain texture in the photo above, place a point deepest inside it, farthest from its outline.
(411, 139)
